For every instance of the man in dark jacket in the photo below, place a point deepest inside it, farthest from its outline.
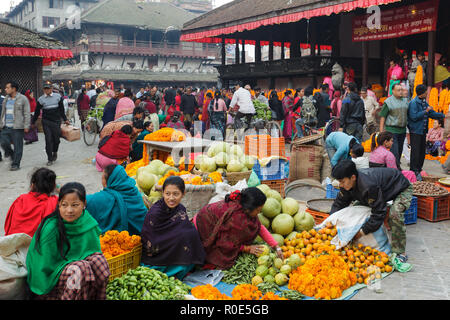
(188, 105)
(52, 107)
(323, 105)
(353, 113)
(374, 187)
(418, 113)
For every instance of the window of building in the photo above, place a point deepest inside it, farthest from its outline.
(32, 6)
(50, 22)
(131, 64)
(55, 4)
(33, 25)
(174, 66)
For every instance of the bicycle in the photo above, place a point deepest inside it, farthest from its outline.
(92, 127)
(254, 127)
(334, 125)
(71, 111)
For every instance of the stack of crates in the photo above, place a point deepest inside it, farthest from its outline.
(263, 146)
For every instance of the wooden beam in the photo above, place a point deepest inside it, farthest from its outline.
(313, 36)
(282, 51)
(243, 52)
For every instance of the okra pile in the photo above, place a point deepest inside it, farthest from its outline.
(144, 283)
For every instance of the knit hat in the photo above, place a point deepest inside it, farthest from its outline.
(421, 89)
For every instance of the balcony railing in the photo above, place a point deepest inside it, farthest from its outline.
(318, 65)
(144, 48)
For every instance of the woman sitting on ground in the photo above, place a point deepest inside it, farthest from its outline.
(138, 148)
(125, 107)
(381, 156)
(28, 210)
(230, 226)
(170, 243)
(119, 206)
(435, 138)
(115, 149)
(65, 261)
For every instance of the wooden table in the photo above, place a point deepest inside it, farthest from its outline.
(178, 149)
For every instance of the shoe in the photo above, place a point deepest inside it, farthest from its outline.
(28, 142)
(49, 163)
(399, 264)
(14, 168)
(55, 156)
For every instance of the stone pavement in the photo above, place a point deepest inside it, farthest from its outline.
(73, 165)
(427, 243)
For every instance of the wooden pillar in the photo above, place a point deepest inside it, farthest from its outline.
(365, 63)
(431, 51)
(223, 52)
(150, 41)
(243, 52)
(313, 36)
(271, 50)
(282, 50)
(258, 51)
(236, 52)
(272, 84)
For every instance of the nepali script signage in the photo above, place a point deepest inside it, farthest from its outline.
(398, 22)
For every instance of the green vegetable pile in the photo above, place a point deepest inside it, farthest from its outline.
(263, 111)
(144, 283)
(96, 113)
(292, 295)
(242, 271)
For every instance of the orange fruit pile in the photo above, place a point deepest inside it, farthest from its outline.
(308, 244)
(365, 261)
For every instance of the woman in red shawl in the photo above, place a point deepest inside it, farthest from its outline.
(288, 107)
(28, 210)
(230, 226)
(32, 135)
(116, 149)
(205, 113)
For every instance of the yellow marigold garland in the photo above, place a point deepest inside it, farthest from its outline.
(324, 277)
(114, 243)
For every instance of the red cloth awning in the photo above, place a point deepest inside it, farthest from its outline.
(209, 36)
(48, 55)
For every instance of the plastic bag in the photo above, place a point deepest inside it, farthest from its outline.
(204, 277)
(13, 271)
(253, 180)
(349, 221)
(222, 189)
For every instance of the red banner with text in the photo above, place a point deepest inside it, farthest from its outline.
(398, 22)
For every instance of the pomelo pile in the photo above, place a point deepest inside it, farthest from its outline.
(282, 216)
(224, 157)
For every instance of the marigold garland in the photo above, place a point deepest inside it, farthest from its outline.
(418, 79)
(114, 243)
(324, 277)
(246, 292)
(213, 178)
(208, 292)
(166, 134)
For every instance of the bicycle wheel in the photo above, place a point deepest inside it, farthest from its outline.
(331, 126)
(274, 129)
(90, 131)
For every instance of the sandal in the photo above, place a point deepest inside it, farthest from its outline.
(403, 258)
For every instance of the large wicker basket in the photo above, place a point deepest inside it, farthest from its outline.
(197, 197)
(235, 177)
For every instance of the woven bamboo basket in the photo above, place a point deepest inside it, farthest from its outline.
(235, 177)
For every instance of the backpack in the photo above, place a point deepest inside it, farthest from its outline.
(309, 112)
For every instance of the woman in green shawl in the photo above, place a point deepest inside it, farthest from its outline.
(119, 206)
(64, 260)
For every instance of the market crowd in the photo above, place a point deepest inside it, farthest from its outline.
(65, 261)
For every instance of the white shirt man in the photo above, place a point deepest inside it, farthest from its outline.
(91, 93)
(370, 105)
(243, 98)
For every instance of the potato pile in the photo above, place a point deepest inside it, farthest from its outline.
(428, 188)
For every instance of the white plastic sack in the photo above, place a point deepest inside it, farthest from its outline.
(13, 271)
(349, 221)
(222, 189)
